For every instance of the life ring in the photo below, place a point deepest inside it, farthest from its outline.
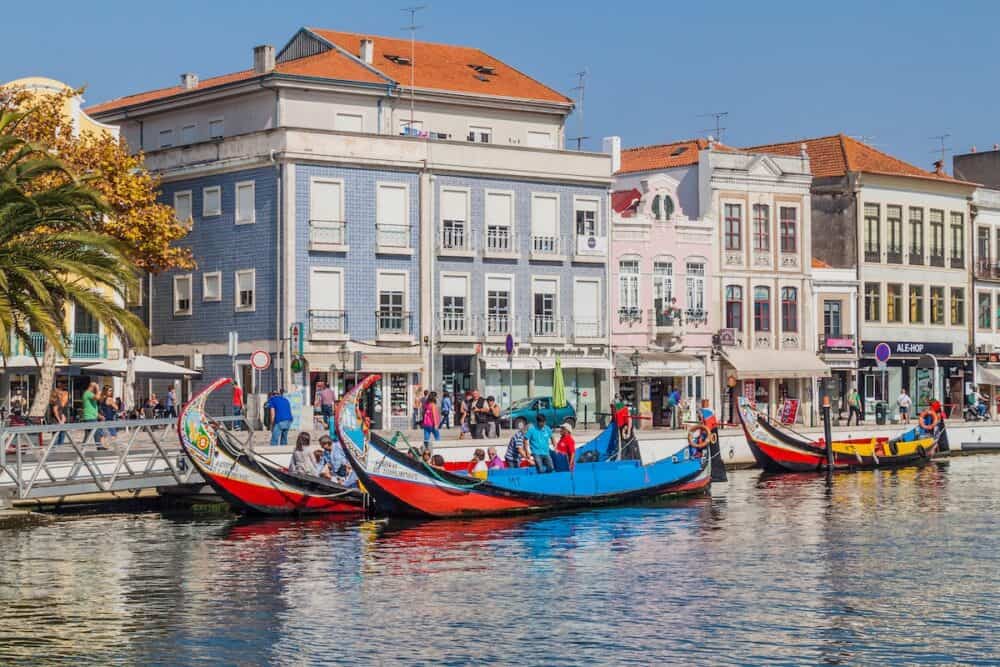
(921, 451)
(929, 419)
(713, 437)
(698, 437)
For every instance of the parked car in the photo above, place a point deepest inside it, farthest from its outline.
(527, 409)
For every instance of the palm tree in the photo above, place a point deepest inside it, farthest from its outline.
(52, 253)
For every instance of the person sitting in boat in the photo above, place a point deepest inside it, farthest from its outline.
(437, 461)
(303, 462)
(477, 466)
(493, 461)
(517, 450)
(566, 444)
(539, 438)
(333, 458)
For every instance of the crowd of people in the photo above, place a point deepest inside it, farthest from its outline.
(473, 414)
(325, 461)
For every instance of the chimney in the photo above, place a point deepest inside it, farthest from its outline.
(613, 147)
(263, 59)
(367, 51)
(189, 80)
(939, 167)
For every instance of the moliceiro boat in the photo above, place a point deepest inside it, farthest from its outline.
(248, 481)
(607, 470)
(780, 449)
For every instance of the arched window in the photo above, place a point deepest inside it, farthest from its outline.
(663, 207)
(656, 207)
(734, 307)
(762, 309)
(789, 309)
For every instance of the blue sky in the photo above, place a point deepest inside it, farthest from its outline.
(895, 73)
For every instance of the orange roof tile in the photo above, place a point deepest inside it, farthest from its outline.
(445, 67)
(664, 156)
(836, 155)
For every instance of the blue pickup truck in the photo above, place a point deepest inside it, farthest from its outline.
(527, 409)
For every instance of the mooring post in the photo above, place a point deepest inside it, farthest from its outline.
(828, 432)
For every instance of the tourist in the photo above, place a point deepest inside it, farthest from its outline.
(904, 402)
(419, 402)
(109, 413)
(516, 451)
(674, 401)
(170, 404)
(280, 411)
(566, 445)
(303, 460)
(492, 460)
(151, 407)
(480, 415)
(446, 408)
(492, 417)
(854, 404)
(60, 401)
(437, 461)
(17, 403)
(325, 399)
(539, 438)
(90, 411)
(425, 456)
(477, 466)
(465, 415)
(237, 406)
(430, 421)
(334, 456)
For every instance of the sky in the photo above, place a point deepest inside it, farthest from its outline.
(894, 74)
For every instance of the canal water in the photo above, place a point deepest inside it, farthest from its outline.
(881, 567)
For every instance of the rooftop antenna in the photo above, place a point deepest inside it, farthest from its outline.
(719, 129)
(865, 138)
(943, 150)
(580, 88)
(413, 27)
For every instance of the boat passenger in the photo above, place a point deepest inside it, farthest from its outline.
(516, 447)
(477, 466)
(492, 460)
(437, 461)
(333, 457)
(303, 462)
(566, 445)
(539, 438)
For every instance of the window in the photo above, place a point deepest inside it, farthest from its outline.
(985, 310)
(937, 305)
(957, 241)
(832, 319)
(182, 207)
(916, 235)
(957, 306)
(873, 302)
(391, 316)
(349, 122)
(540, 139)
(936, 220)
(894, 303)
(245, 288)
(326, 212)
(734, 307)
(628, 289)
(761, 227)
(166, 138)
(133, 294)
(189, 134)
(695, 291)
(216, 128)
(454, 308)
(587, 308)
(545, 224)
(663, 286)
(916, 304)
(586, 217)
(789, 309)
(211, 201)
(392, 224)
(894, 234)
(326, 301)
(480, 135)
(455, 219)
(733, 223)
(873, 242)
(544, 307)
(762, 309)
(499, 296)
(211, 286)
(245, 214)
(182, 295)
(789, 229)
(500, 221)
(663, 207)
(983, 248)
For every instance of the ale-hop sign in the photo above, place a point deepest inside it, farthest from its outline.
(908, 347)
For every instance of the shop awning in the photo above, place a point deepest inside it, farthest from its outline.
(987, 374)
(659, 364)
(521, 363)
(750, 364)
(396, 363)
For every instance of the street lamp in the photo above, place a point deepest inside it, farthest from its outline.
(731, 384)
(635, 358)
(343, 354)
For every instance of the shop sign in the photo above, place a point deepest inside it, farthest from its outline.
(789, 411)
(727, 337)
(988, 357)
(839, 344)
(909, 348)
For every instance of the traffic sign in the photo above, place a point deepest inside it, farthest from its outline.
(260, 360)
(509, 345)
(882, 352)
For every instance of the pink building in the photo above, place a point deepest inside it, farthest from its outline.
(661, 265)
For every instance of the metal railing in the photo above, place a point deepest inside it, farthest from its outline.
(500, 239)
(894, 256)
(327, 321)
(588, 328)
(455, 235)
(695, 315)
(957, 262)
(453, 324)
(987, 269)
(916, 256)
(936, 260)
(545, 326)
(872, 254)
(630, 314)
(392, 322)
(668, 319)
(79, 346)
(327, 233)
(498, 324)
(392, 236)
(545, 245)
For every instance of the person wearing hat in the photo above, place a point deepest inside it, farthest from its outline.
(566, 445)
(333, 457)
(539, 438)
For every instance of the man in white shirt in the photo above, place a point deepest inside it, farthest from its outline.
(904, 402)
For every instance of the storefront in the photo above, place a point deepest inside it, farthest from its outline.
(646, 381)
(988, 380)
(902, 371)
(775, 380)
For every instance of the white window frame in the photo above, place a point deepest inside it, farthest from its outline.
(511, 222)
(168, 135)
(204, 289)
(214, 123)
(477, 131)
(557, 311)
(236, 291)
(330, 181)
(190, 195)
(467, 277)
(408, 248)
(601, 310)
(406, 286)
(339, 115)
(467, 220)
(550, 142)
(531, 221)
(329, 269)
(596, 201)
(512, 314)
(205, 212)
(185, 140)
(253, 199)
(634, 279)
(190, 295)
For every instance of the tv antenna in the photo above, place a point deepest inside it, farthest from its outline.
(413, 27)
(942, 149)
(719, 129)
(580, 88)
(865, 138)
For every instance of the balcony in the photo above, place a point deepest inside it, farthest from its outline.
(392, 239)
(328, 236)
(454, 325)
(591, 249)
(916, 257)
(327, 324)
(894, 256)
(455, 239)
(987, 270)
(545, 327)
(545, 248)
(936, 260)
(630, 315)
(873, 254)
(958, 262)
(79, 346)
(669, 322)
(393, 324)
(841, 344)
(696, 316)
(588, 331)
(498, 325)
(500, 242)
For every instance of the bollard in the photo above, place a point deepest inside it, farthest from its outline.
(828, 432)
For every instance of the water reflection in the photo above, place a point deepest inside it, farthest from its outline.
(876, 567)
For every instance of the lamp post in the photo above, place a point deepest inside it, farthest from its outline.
(343, 354)
(731, 384)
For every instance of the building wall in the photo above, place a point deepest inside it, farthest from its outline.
(981, 168)
(834, 241)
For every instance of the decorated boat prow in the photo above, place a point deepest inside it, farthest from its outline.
(248, 481)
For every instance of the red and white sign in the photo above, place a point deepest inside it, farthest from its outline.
(789, 411)
(260, 360)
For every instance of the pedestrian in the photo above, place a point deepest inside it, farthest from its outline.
(480, 415)
(904, 402)
(516, 447)
(237, 406)
(430, 421)
(854, 403)
(539, 438)
(446, 408)
(325, 399)
(170, 403)
(90, 410)
(465, 416)
(109, 413)
(674, 400)
(60, 399)
(281, 417)
(493, 417)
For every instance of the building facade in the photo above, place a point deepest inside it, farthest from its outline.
(355, 225)
(835, 301)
